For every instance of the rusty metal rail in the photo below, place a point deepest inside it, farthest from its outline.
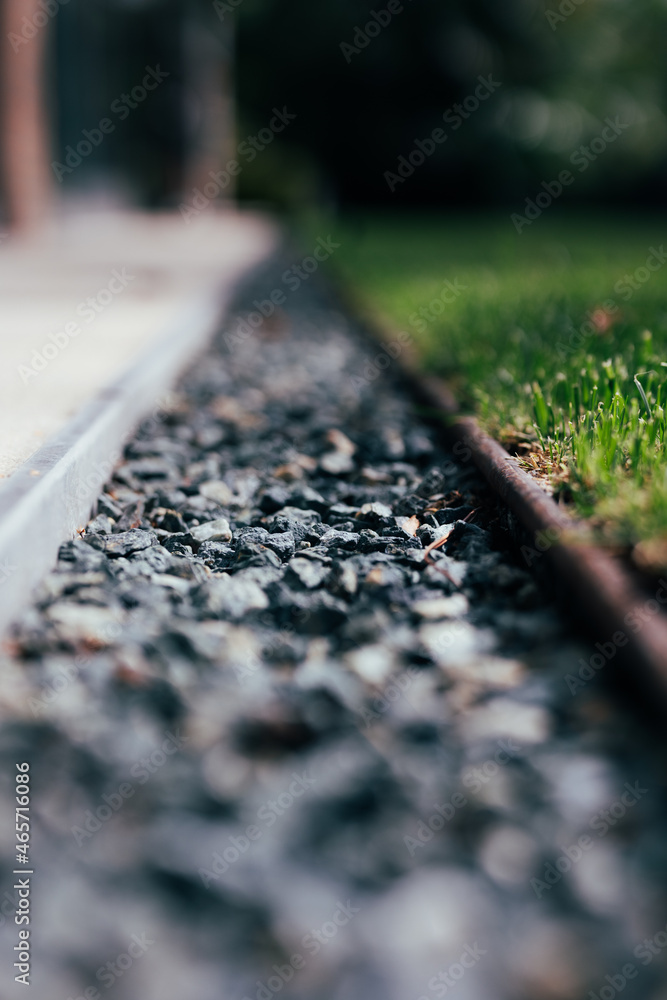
(617, 610)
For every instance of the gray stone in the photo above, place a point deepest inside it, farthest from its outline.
(213, 531)
(232, 597)
(347, 540)
(123, 544)
(307, 572)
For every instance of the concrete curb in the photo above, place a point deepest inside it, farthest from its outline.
(51, 495)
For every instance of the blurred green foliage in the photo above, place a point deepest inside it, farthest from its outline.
(564, 66)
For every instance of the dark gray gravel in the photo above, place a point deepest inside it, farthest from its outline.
(296, 752)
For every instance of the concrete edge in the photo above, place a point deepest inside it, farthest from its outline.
(51, 495)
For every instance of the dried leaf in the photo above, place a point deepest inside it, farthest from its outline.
(410, 525)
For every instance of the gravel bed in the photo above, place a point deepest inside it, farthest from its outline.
(301, 724)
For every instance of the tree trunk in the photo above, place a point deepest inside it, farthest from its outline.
(25, 138)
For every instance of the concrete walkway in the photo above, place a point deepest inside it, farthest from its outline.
(80, 304)
(98, 317)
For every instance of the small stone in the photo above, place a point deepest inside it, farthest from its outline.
(374, 664)
(229, 596)
(152, 468)
(506, 717)
(404, 546)
(158, 558)
(251, 536)
(490, 672)
(102, 525)
(307, 572)
(213, 531)
(107, 505)
(171, 582)
(410, 505)
(337, 463)
(449, 515)
(428, 534)
(370, 541)
(279, 524)
(218, 556)
(168, 520)
(210, 437)
(341, 442)
(468, 541)
(321, 613)
(347, 540)
(308, 499)
(218, 491)
(451, 642)
(187, 569)
(343, 580)
(291, 472)
(394, 446)
(254, 554)
(434, 482)
(384, 576)
(376, 514)
(182, 544)
(508, 855)
(86, 623)
(123, 543)
(340, 512)
(297, 514)
(434, 609)
(408, 525)
(274, 499)
(418, 445)
(282, 543)
(373, 477)
(315, 533)
(444, 572)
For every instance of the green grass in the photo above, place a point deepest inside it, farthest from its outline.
(587, 401)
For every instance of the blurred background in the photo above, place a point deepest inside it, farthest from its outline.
(363, 83)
